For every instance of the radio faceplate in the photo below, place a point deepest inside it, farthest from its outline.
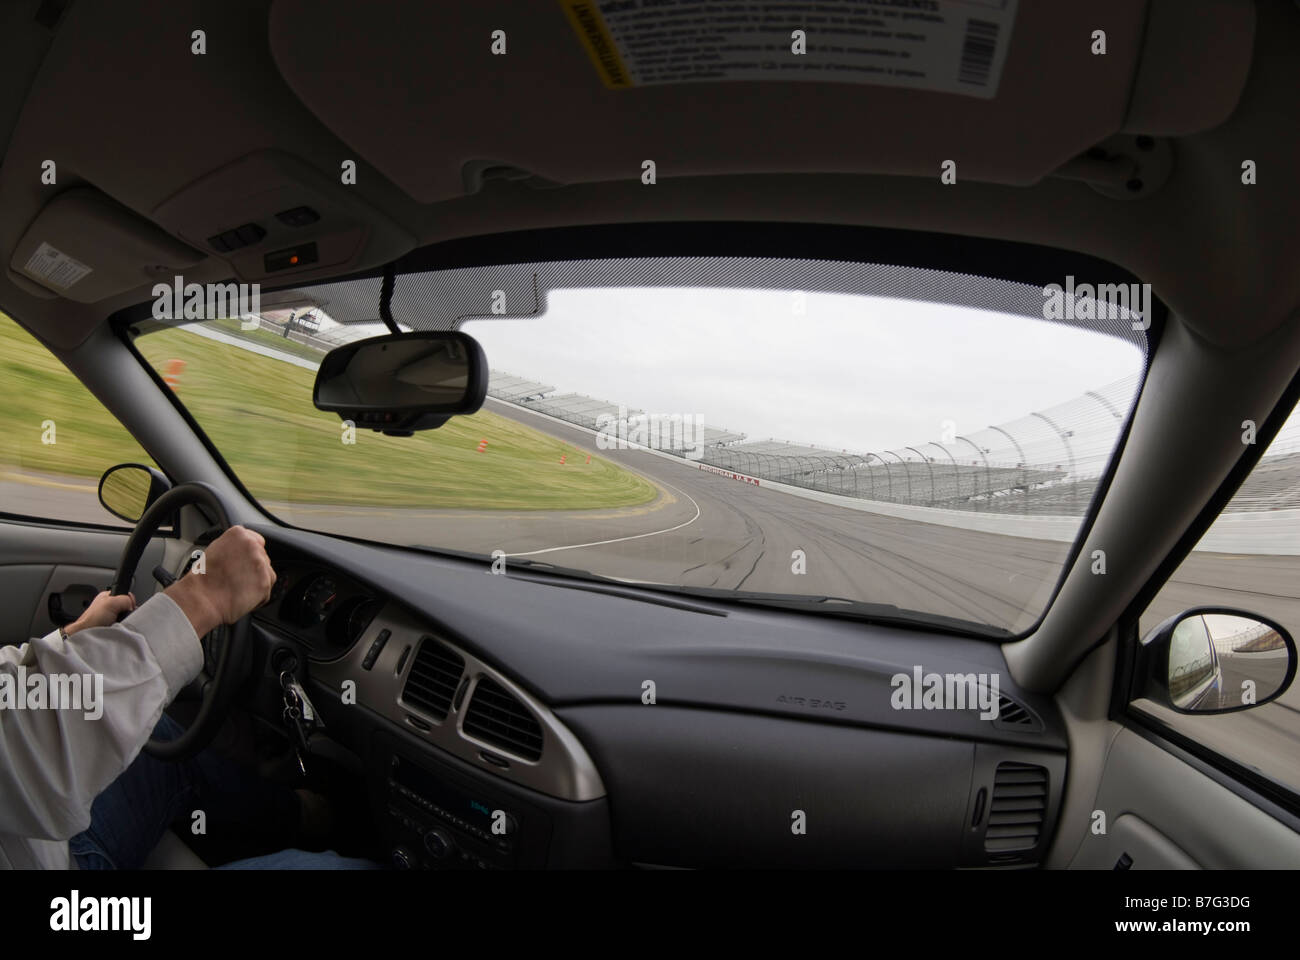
(435, 823)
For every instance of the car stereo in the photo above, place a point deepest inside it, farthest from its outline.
(437, 825)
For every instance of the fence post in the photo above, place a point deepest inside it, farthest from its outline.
(1069, 453)
(889, 477)
(929, 467)
(956, 481)
(1021, 454)
(907, 474)
(988, 479)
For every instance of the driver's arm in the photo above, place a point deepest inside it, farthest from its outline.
(53, 763)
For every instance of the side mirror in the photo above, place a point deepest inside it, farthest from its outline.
(129, 489)
(1216, 660)
(403, 382)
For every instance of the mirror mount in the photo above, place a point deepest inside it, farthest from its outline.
(399, 383)
(386, 299)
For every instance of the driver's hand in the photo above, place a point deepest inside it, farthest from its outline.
(237, 578)
(104, 611)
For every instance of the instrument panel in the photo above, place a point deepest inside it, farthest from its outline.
(326, 610)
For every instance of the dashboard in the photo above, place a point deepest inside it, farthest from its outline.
(501, 722)
(432, 719)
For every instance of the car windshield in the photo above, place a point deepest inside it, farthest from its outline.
(861, 439)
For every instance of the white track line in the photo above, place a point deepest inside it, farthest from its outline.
(638, 536)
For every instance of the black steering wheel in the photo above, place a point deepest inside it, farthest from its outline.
(217, 688)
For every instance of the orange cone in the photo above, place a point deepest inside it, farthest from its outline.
(482, 445)
(173, 375)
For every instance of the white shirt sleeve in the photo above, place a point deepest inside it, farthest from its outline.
(54, 762)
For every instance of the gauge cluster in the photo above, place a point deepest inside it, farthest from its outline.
(326, 610)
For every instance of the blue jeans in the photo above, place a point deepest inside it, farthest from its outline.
(129, 818)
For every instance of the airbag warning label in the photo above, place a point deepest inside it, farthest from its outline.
(950, 46)
(54, 268)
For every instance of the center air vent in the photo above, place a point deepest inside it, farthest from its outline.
(433, 678)
(496, 717)
(1017, 809)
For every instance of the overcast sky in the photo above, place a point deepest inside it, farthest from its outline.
(851, 372)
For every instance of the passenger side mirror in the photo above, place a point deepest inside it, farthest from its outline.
(403, 382)
(1216, 660)
(129, 489)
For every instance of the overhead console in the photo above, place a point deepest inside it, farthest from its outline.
(273, 216)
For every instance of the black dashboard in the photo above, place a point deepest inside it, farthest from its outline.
(503, 721)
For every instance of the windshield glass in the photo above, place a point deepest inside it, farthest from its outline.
(842, 437)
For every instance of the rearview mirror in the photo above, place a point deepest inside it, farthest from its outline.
(403, 382)
(1216, 660)
(129, 489)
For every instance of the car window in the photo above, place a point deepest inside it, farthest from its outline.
(854, 438)
(60, 439)
(1249, 560)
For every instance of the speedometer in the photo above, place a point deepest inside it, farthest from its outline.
(318, 601)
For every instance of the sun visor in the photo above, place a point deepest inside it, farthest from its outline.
(577, 92)
(1195, 60)
(87, 247)
(567, 93)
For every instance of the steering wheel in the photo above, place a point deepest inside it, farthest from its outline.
(217, 688)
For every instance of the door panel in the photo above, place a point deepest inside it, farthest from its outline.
(1145, 847)
(37, 560)
(1165, 813)
(71, 584)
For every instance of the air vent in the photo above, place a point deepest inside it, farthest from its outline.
(1016, 811)
(432, 681)
(1013, 714)
(496, 717)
